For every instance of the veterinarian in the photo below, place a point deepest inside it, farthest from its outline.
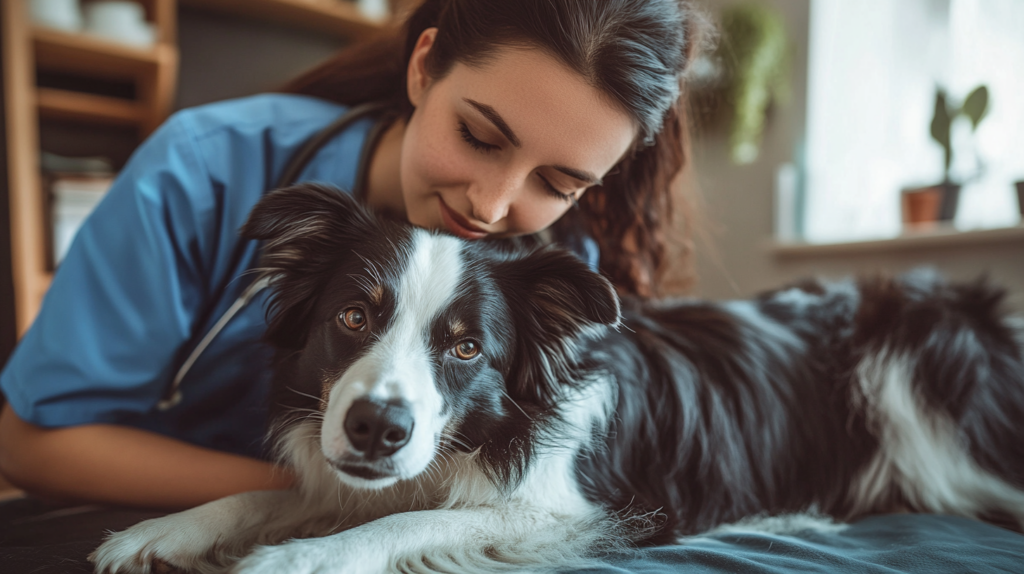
(143, 380)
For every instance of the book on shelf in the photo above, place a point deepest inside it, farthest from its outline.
(73, 197)
(75, 185)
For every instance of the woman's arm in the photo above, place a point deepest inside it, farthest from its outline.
(122, 465)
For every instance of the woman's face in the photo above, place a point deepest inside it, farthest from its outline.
(504, 149)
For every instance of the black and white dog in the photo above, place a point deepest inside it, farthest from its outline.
(464, 406)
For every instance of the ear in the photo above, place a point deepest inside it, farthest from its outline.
(305, 229)
(553, 298)
(560, 292)
(417, 79)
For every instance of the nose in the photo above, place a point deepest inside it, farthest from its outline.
(377, 428)
(490, 203)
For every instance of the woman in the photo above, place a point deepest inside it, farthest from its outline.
(489, 119)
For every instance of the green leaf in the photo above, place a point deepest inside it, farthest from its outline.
(941, 119)
(976, 105)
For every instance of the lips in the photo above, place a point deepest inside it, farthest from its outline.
(364, 472)
(458, 225)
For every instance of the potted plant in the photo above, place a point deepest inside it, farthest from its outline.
(755, 50)
(939, 202)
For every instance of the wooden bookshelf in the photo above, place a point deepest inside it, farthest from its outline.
(88, 55)
(68, 105)
(152, 71)
(28, 49)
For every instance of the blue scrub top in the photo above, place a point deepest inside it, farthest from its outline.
(157, 264)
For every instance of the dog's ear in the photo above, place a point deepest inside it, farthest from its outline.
(305, 229)
(558, 289)
(293, 216)
(553, 298)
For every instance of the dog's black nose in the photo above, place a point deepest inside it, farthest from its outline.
(377, 428)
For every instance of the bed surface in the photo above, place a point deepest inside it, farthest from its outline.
(893, 543)
(44, 539)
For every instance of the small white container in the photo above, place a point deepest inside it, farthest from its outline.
(74, 198)
(119, 20)
(60, 14)
(376, 10)
(787, 184)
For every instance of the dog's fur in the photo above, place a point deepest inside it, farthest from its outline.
(579, 426)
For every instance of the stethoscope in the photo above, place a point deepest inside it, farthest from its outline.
(289, 176)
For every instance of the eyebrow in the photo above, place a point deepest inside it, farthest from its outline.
(495, 118)
(584, 176)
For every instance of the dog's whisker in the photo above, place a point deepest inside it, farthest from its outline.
(307, 413)
(307, 395)
(516, 404)
(450, 440)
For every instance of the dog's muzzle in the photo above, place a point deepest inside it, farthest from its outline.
(377, 429)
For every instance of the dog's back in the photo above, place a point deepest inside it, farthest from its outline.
(844, 398)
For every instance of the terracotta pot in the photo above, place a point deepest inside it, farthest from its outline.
(921, 206)
(925, 206)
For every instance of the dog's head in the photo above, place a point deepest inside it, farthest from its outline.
(414, 340)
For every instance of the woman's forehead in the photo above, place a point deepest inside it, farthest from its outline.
(546, 105)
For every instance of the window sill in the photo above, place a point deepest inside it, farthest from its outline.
(937, 237)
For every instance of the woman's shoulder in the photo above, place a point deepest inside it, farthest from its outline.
(260, 112)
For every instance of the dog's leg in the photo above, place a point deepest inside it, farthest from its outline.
(481, 539)
(209, 538)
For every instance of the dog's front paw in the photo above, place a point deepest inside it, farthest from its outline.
(312, 556)
(158, 546)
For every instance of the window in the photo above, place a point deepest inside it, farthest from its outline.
(872, 75)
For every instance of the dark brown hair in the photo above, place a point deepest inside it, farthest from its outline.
(635, 51)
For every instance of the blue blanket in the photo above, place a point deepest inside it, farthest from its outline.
(928, 544)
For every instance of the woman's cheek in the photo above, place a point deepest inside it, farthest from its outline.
(444, 161)
(418, 157)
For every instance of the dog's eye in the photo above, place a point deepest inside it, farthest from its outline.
(466, 350)
(354, 319)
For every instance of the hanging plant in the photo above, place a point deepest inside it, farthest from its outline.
(755, 50)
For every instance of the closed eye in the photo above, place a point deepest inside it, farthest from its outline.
(552, 190)
(473, 141)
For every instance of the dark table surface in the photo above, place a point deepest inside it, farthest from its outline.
(42, 538)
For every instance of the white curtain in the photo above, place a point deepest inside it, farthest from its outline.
(873, 70)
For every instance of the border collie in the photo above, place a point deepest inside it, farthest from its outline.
(464, 406)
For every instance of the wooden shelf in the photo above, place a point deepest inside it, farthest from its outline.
(87, 55)
(67, 105)
(940, 236)
(337, 17)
